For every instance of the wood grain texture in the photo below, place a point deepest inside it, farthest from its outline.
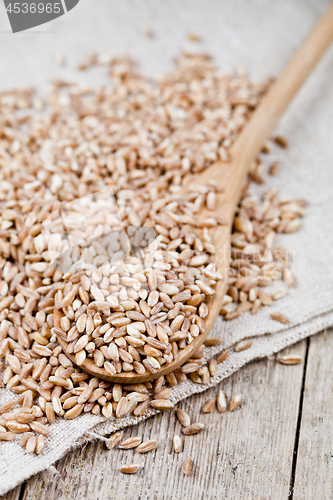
(249, 452)
(13, 494)
(245, 451)
(314, 470)
(232, 175)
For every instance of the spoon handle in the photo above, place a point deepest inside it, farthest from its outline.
(265, 117)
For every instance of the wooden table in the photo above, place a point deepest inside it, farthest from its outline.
(278, 445)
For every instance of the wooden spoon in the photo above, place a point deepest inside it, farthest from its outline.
(232, 175)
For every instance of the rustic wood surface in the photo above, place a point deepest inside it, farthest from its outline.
(314, 471)
(279, 440)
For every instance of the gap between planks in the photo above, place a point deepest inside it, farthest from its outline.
(314, 467)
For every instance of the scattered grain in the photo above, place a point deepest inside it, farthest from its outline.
(177, 444)
(289, 359)
(187, 466)
(130, 468)
(129, 443)
(223, 356)
(183, 417)
(114, 440)
(281, 318)
(243, 345)
(212, 341)
(161, 404)
(235, 402)
(208, 406)
(281, 141)
(221, 402)
(147, 446)
(193, 429)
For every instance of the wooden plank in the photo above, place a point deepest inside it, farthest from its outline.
(314, 469)
(12, 495)
(247, 452)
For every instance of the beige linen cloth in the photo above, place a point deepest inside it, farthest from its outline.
(261, 36)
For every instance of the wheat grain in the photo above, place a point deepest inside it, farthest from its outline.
(223, 356)
(177, 444)
(243, 345)
(40, 444)
(163, 394)
(40, 428)
(141, 409)
(281, 318)
(147, 446)
(30, 446)
(221, 402)
(16, 427)
(73, 412)
(114, 440)
(235, 402)
(24, 438)
(281, 141)
(129, 443)
(290, 359)
(208, 406)
(7, 436)
(280, 293)
(183, 417)
(187, 466)
(212, 341)
(130, 468)
(212, 368)
(193, 429)
(161, 404)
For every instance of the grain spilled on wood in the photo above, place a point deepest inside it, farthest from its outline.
(187, 466)
(290, 359)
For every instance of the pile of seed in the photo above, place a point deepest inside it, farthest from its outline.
(137, 138)
(255, 262)
(127, 318)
